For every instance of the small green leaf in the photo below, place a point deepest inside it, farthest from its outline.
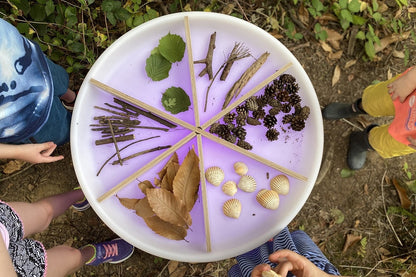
(346, 173)
(369, 49)
(49, 7)
(345, 14)
(358, 20)
(110, 5)
(354, 6)
(337, 215)
(377, 16)
(175, 100)
(172, 47)
(157, 67)
(360, 35)
(37, 12)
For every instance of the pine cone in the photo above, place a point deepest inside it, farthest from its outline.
(229, 117)
(240, 132)
(223, 131)
(292, 88)
(259, 114)
(275, 103)
(241, 110)
(231, 138)
(270, 90)
(244, 144)
(262, 101)
(240, 120)
(251, 104)
(283, 96)
(214, 128)
(297, 124)
(253, 121)
(294, 99)
(269, 121)
(275, 111)
(272, 134)
(286, 108)
(287, 119)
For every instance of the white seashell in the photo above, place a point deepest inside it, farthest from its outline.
(214, 175)
(247, 183)
(270, 273)
(268, 199)
(280, 184)
(232, 208)
(240, 168)
(229, 188)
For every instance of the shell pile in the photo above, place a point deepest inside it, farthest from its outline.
(268, 199)
(247, 183)
(280, 184)
(214, 175)
(240, 168)
(232, 208)
(270, 273)
(229, 188)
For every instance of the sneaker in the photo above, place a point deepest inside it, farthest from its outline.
(69, 106)
(82, 205)
(114, 251)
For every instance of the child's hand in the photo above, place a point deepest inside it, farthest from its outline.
(37, 153)
(259, 269)
(299, 265)
(403, 86)
(412, 142)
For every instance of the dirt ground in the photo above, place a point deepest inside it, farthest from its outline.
(360, 199)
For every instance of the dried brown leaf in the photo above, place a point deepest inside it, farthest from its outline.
(129, 203)
(389, 74)
(325, 46)
(168, 207)
(412, 10)
(172, 266)
(384, 42)
(143, 208)
(350, 63)
(303, 15)
(186, 182)
(145, 185)
(336, 76)
(404, 199)
(335, 56)
(398, 54)
(171, 171)
(157, 182)
(13, 166)
(180, 272)
(165, 229)
(351, 240)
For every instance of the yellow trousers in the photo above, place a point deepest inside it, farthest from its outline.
(376, 102)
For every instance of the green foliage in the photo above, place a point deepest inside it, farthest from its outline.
(172, 47)
(114, 11)
(175, 100)
(346, 173)
(362, 250)
(290, 30)
(320, 34)
(338, 215)
(157, 67)
(403, 212)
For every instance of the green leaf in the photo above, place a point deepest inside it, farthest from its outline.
(358, 20)
(37, 12)
(22, 5)
(111, 18)
(23, 28)
(375, 5)
(157, 67)
(345, 14)
(354, 6)
(49, 7)
(369, 49)
(110, 5)
(172, 47)
(360, 35)
(121, 14)
(175, 100)
(343, 4)
(346, 173)
(377, 16)
(317, 4)
(338, 215)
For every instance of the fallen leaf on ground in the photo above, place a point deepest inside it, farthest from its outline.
(350, 63)
(336, 56)
(179, 272)
(384, 42)
(326, 47)
(172, 266)
(336, 76)
(350, 240)
(303, 15)
(404, 199)
(13, 166)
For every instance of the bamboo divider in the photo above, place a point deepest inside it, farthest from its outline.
(145, 168)
(191, 70)
(204, 193)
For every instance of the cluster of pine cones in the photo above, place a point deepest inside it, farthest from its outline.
(279, 96)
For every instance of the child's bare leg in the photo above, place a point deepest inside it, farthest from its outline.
(37, 216)
(69, 96)
(64, 260)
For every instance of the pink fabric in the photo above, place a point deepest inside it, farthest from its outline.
(5, 235)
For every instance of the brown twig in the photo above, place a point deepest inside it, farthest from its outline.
(245, 77)
(115, 142)
(110, 140)
(139, 154)
(208, 60)
(144, 113)
(110, 111)
(239, 52)
(121, 149)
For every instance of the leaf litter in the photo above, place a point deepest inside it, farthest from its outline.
(166, 207)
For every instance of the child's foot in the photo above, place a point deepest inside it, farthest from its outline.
(113, 252)
(81, 205)
(69, 105)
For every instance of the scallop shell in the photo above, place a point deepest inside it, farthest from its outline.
(214, 175)
(270, 273)
(240, 168)
(247, 183)
(232, 208)
(268, 199)
(280, 184)
(229, 188)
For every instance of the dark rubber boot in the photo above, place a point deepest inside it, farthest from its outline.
(342, 110)
(358, 147)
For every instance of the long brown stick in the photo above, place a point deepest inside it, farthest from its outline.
(208, 60)
(139, 154)
(245, 77)
(145, 168)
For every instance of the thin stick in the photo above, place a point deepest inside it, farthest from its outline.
(115, 142)
(254, 156)
(140, 153)
(245, 96)
(110, 140)
(191, 70)
(110, 111)
(145, 168)
(121, 149)
(141, 104)
(204, 193)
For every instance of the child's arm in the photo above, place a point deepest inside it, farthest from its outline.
(403, 86)
(33, 153)
(6, 265)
